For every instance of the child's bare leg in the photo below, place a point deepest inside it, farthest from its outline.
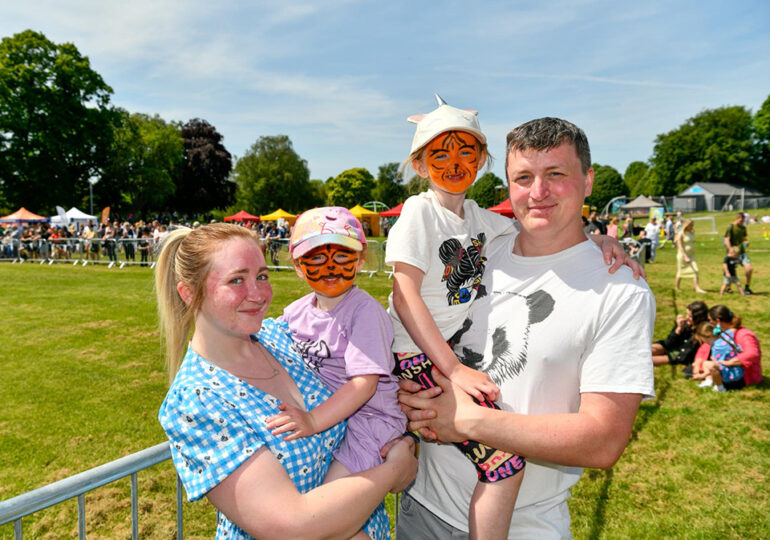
(492, 507)
(338, 470)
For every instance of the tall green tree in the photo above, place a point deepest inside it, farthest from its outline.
(416, 185)
(608, 184)
(55, 122)
(318, 193)
(390, 184)
(271, 175)
(762, 133)
(351, 187)
(633, 176)
(714, 146)
(204, 183)
(484, 190)
(145, 165)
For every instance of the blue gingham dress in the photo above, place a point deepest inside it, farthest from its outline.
(215, 422)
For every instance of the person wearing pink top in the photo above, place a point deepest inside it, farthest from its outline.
(750, 355)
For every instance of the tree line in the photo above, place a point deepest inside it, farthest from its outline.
(58, 129)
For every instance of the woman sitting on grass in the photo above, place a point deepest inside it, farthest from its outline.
(679, 346)
(237, 369)
(745, 345)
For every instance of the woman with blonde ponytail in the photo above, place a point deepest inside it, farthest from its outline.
(213, 289)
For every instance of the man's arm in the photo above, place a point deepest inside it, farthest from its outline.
(595, 436)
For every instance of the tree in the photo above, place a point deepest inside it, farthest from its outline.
(146, 159)
(271, 175)
(713, 146)
(55, 122)
(484, 191)
(318, 193)
(416, 185)
(204, 183)
(633, 176)
(351, 187)
(390, 185)
(608, 184)
(762, 134)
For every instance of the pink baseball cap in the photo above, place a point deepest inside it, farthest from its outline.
(326, 225)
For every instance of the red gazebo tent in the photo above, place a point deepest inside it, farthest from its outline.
(22, 215)
(503, 208)
(242, 216)
(393, 212)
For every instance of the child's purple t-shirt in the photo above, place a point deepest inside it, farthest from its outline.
(352, 339)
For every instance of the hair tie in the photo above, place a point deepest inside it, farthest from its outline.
(731, 314)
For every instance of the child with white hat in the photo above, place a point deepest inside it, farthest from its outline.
(345, 335)
(437, 248)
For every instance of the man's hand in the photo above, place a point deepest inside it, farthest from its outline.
(418, 419)
(616, 256)
(452, 409)
(292, 419)
(474, 382)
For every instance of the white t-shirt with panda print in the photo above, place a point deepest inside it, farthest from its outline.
(549, 329)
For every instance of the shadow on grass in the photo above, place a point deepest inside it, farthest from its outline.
(601, 505)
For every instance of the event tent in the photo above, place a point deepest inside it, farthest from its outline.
(22, 215)
(73, 216)
(393, 212)
(364, 215)
(243, 215)
(640, 204)
(503, 208)
(279, 214)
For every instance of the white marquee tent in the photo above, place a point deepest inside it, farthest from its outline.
(74, 216)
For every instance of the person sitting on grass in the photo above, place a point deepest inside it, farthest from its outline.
(679, 346)
(703, 336)
(749, 357)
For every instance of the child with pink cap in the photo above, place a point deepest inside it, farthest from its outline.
(345, 335)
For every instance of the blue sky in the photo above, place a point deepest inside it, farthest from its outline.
(339, 77)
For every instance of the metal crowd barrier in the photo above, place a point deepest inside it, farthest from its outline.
(141, 252)
(13, 510)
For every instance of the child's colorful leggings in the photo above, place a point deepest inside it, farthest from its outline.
(491, 465)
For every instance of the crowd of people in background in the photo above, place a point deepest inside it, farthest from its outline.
(127, 240)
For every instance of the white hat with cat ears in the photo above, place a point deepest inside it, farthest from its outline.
(442, 119)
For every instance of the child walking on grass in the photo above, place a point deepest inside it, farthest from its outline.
(345, 335)
(729, 265)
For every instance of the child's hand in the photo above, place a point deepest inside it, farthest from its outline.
(292, 419)
(474, 383)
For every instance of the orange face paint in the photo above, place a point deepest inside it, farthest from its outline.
(452, 159)
(330, 269)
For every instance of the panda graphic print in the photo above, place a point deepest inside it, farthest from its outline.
(509, 342)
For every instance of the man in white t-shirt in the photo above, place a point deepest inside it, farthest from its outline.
(567, 343)
(652, 231)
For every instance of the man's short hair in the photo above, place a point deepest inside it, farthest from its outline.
(545, 134)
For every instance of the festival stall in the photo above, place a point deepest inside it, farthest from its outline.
(367, 216)
(393, 212)
(22, 215)
(243, 215)
(504, 208)
(73, 215)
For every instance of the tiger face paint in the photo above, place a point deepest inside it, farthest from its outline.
(329, 269)
(452, 160)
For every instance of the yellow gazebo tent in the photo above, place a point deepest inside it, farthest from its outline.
(278, 214)
(372, 218)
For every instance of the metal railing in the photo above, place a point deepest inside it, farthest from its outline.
(13, 510)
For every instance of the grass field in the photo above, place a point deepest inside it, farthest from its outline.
(83, 378)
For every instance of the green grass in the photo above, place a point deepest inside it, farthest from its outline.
(83, 378)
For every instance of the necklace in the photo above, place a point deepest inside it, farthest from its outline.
(264, 356)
